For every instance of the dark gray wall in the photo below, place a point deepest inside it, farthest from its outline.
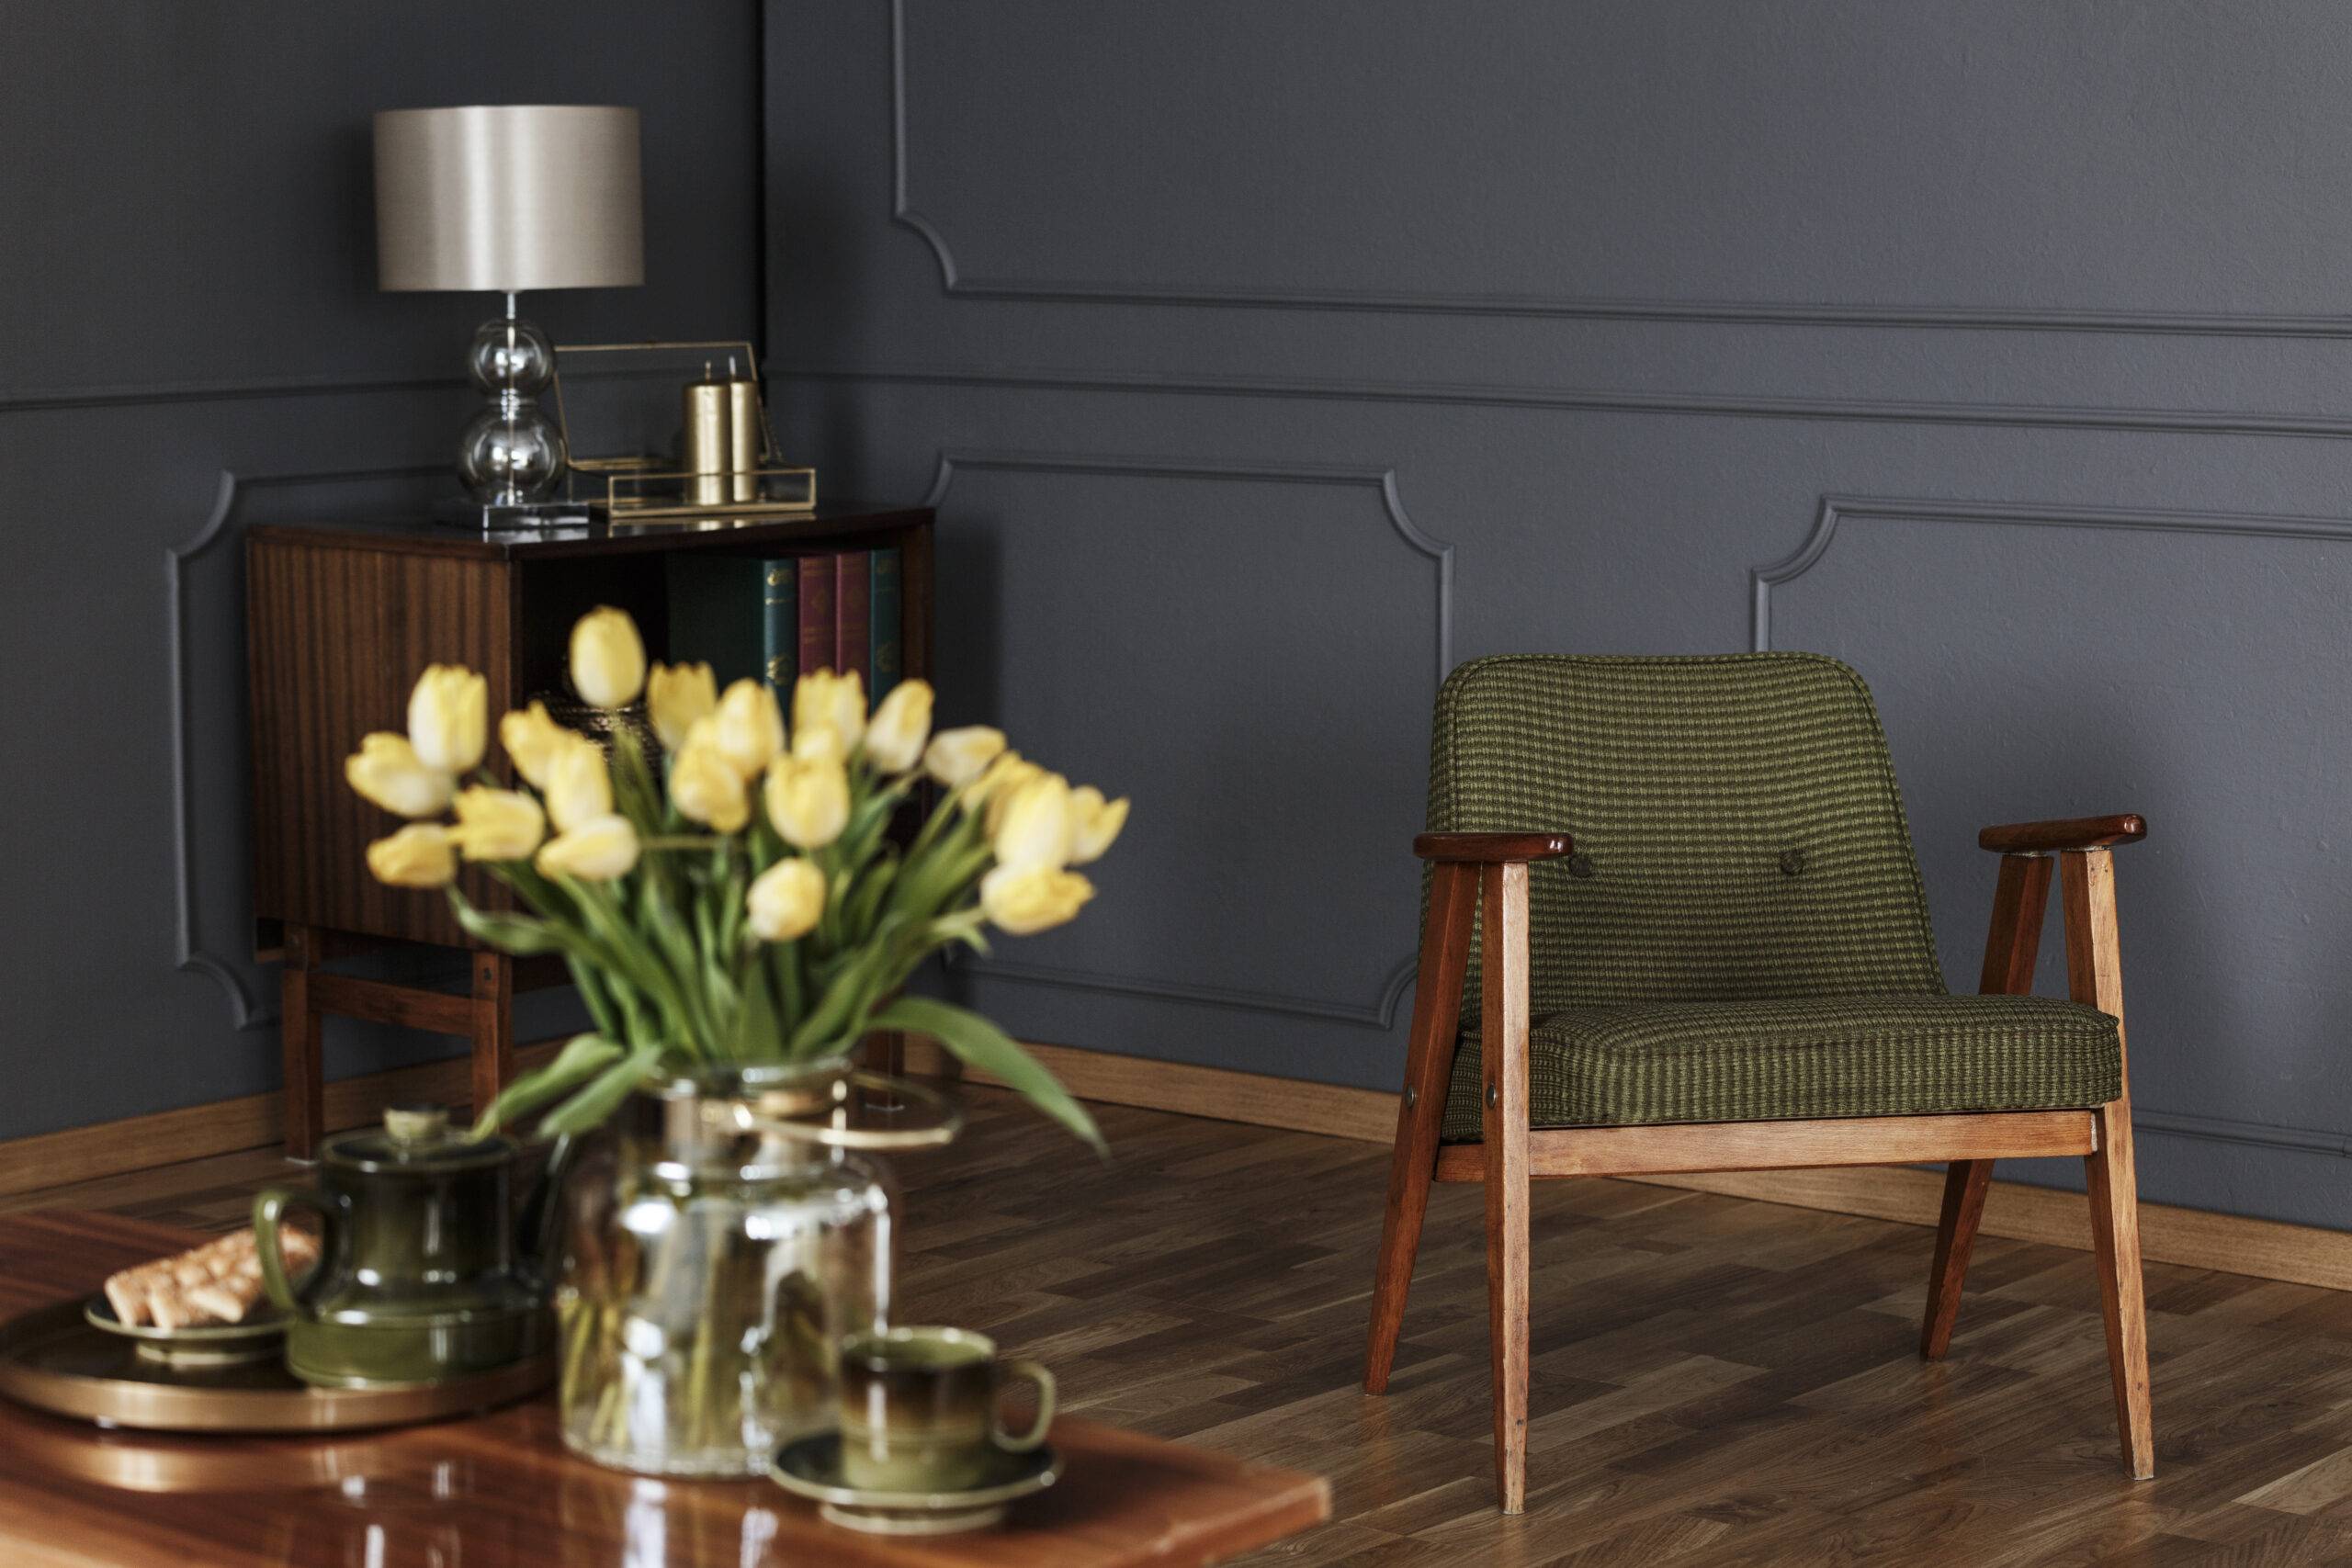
(191, 341)
(1266, 358)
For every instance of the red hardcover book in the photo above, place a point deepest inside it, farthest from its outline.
(853, 614)
(816, 615)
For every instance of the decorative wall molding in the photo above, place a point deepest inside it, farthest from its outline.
(1380, 1013)
(1383, 481)
(193, 953)
(953, 282)
(1841, 509)
(160, 393)
(1859, 410)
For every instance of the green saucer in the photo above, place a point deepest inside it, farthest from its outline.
(811, 1467)
(203, 1345)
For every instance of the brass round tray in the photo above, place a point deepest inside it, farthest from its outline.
(55, 1359)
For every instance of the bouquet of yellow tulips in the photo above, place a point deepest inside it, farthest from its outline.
(746, 902)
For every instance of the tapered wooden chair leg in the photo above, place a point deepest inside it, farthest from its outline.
(1429, 1068)
(2095, 974)
(2012, 943)
(1964, 1185)
(1503, 1050)
(2115, 1240)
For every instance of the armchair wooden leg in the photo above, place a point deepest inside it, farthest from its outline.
(2095, 974)
(2012, 944)
(2115, 1239)
(1503, 1052)
(1964, 1184)
(1429, 1068)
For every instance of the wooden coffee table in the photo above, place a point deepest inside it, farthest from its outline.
(500, 1490)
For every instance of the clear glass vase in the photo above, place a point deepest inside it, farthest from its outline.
(712, 1260)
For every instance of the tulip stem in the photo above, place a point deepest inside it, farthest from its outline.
(683, 841)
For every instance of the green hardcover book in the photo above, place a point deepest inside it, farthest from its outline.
(780, 623)
(884, 607)
(714, 615)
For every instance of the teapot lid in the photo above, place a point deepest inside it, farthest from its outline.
(417, 1137)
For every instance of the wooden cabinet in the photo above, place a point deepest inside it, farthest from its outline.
(340, 620)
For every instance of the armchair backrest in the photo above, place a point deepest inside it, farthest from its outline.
(1738, 831)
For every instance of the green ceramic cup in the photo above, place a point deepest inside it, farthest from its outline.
(920, 1409)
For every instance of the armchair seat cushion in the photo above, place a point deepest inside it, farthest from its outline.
(1801, 1058)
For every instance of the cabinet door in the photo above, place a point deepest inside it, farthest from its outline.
(336, 637)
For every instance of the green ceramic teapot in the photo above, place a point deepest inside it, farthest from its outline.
(422, 1275)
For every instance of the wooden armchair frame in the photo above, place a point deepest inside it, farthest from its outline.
(1492, 869)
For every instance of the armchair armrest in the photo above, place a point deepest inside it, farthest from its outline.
(2064, 833)
(1491, 849)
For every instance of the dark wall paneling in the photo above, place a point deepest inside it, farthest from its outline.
(1998, 348)
(196, 343)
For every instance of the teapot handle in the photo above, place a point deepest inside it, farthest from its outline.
(268, 1206)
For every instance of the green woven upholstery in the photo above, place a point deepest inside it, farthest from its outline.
(1742, 933)
(1827, 1056)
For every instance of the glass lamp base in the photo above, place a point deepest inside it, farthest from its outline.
(520, 516)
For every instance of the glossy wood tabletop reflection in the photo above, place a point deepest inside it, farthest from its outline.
(499, 1490)
(1717, 1383)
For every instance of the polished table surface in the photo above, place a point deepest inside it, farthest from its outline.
(499, 1490)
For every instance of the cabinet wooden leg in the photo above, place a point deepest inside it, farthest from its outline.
(884, 1051)
(301, 1039)
(494, 1026)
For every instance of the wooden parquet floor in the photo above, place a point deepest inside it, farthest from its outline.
(1717, 1381)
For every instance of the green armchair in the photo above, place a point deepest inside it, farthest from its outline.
(1680, 899)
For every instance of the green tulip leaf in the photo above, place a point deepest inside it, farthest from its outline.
(517, 934)
(982, 1044)
(582, 1058)
(604, 1094)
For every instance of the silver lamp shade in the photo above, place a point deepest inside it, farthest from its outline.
(502, 198)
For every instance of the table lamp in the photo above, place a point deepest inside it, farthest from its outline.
(505, 198)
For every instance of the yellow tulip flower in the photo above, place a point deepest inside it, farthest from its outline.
(818, 746)
(597, 850)
(578, 787)
(497, 824)
(895, 737)
(706, 788)
(827, 701)
(1094, 823)
(607, 659)
(448, 718)
(532, 738)
(808, 802)
(956, 757)
(419, 855)
(1033, 831)
(786, 900)
(994, 792)
(387, 771)
(676, 696)
(749, 727)
(1021, 901)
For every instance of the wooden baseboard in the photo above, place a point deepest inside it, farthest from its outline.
(226, 1126)
(2192, 1238)
(2304, 1255)
(1217, 1093)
